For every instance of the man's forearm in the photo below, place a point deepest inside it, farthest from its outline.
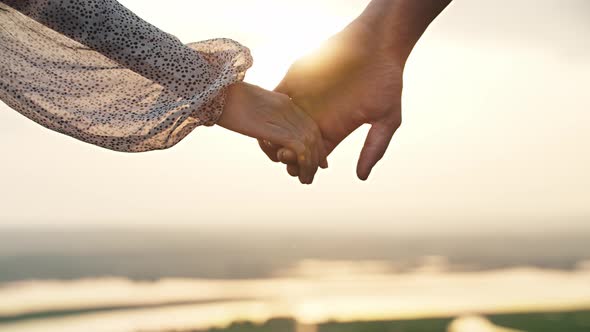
(401, 23)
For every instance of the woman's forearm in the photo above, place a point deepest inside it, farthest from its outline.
(399, 24)
(95, 71)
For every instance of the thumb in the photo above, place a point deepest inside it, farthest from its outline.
(374, 149)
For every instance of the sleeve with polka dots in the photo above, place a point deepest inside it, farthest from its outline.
(93, 70)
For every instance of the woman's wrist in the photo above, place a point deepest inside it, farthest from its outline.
(239, 98)
(248, 107)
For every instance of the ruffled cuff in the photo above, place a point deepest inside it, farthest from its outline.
(229, 60)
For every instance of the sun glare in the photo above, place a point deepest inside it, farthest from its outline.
(287, 36)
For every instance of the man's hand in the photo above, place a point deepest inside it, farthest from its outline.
(352, 80)
(357, 78)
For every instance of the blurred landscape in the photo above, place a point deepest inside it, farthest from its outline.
(258, 253)
(241, 280)
(210, 253)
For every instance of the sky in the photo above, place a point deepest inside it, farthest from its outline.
(495, 136)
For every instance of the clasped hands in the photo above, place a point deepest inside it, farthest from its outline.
(353, 79)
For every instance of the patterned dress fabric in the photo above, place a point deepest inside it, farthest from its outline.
(93, 70)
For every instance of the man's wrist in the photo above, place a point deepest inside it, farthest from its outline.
(385, 27)
(397, 25)
(385, 39)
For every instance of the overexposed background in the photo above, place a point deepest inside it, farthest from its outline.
(495, 135)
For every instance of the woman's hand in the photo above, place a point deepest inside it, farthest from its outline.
(273, 117)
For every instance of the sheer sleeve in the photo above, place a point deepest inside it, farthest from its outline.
(93, 70)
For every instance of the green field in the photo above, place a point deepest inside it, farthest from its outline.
(578, 321)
